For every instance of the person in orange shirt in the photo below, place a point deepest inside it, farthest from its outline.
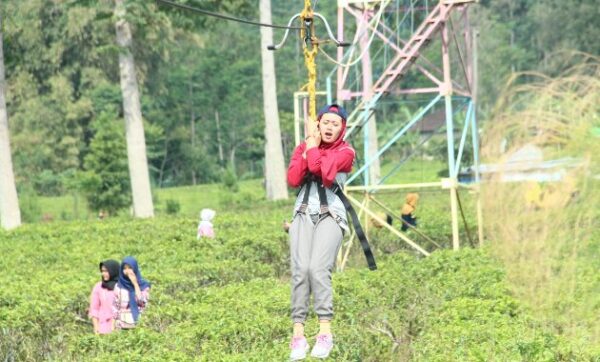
(407, 211)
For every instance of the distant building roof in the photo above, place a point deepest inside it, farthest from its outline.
(529, 154)
(431, 122)
(527, 163)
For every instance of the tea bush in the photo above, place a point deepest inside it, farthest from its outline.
(227, 299)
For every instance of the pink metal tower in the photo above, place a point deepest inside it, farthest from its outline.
(404, 49)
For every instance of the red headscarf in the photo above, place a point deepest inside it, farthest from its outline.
(339, 142)
(326, 160)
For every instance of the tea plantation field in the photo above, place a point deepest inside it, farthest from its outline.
(228, 299)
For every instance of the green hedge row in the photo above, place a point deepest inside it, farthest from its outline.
(227, 299)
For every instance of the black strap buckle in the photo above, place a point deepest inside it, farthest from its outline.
(335, 187)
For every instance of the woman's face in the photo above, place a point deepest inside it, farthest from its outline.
(105, 274)
(330, 127)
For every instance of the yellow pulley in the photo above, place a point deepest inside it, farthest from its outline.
(310, 49)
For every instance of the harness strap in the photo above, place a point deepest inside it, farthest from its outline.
(322, 199)
(357, 227)
(304, 204)
(337, 189)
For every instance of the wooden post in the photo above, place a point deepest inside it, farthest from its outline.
(475, 135)
(446, 91)
(296, 119)
(386, 225)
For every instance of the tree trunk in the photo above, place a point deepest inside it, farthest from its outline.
(275, 178)
(232, 160)
(220, 144)
(10, 214)
(193, 128)
(134, 127)
(374, 169)
(163, 164)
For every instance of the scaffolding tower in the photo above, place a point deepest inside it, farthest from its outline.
(390, 55)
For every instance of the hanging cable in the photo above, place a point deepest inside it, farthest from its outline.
(223, 16)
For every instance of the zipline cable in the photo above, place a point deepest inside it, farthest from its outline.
(223, 16)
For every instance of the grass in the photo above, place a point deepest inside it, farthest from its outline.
(546, 233)
(227, 299)
(190, 198)
(194, 198)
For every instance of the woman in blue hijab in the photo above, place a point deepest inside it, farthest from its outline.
(131, 294)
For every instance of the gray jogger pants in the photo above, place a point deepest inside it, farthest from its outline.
(313, 250)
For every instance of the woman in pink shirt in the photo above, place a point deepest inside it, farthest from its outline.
(103, 296)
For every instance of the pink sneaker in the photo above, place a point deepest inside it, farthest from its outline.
(299, 347)
(323, 346)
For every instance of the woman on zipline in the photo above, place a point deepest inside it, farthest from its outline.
(318, 224)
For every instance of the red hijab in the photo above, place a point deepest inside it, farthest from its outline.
(339, 143)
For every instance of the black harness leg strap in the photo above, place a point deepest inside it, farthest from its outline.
(358, 228)
(347, 205)
(322, 199)
(304, 204)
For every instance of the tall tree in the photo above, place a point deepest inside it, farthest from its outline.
(10, 214)
(105, 180)
(274, 165)
(134, 127)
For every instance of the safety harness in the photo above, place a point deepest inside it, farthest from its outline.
(324, 209)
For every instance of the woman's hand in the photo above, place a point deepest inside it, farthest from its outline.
(131, 275)
(96, 325)
(314, 140)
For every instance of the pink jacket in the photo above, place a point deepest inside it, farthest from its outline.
(101, 302)
(206, 229)
(324, 163)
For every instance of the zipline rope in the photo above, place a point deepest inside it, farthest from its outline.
(223, 16)
(307, 33)
(311, 86)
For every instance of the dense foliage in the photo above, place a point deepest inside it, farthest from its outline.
(106, 178)
(228, 298)
(62, 74)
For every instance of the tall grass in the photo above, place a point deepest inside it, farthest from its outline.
(545, 233)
